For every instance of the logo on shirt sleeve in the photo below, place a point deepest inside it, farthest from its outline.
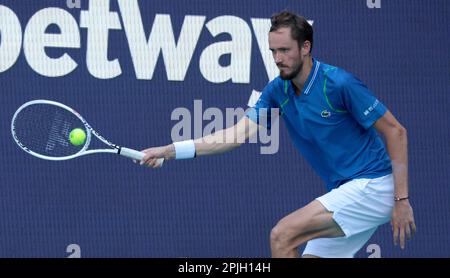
(371, 108)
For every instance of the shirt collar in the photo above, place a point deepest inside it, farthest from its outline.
(289, 88)
(311, 78)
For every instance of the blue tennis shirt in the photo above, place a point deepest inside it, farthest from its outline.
(330, 123)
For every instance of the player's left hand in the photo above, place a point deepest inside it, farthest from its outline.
(402, 222)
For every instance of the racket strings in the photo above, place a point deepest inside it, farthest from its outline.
(45, 129)
(59, 131)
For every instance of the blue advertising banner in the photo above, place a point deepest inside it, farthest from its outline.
(146, 73)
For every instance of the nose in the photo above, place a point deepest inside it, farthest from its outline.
(277, 58)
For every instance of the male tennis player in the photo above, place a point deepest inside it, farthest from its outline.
(333, 120)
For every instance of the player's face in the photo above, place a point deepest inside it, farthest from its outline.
(286, 53)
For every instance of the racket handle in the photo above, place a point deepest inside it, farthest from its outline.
(130, 153)
(137, 155)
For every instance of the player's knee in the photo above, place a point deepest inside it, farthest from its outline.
(280, 236)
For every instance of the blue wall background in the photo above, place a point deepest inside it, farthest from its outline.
(219, 206)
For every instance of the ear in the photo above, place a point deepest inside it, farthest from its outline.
(306, 48)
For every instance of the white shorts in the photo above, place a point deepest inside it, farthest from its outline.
(359, 207)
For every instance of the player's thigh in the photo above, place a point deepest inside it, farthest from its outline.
(312, 218)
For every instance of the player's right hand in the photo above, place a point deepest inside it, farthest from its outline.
(154, 157)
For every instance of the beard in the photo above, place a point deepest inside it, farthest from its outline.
(295, 71)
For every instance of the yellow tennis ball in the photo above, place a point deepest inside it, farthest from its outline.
(77, 136)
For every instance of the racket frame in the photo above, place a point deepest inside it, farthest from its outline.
(133, 154)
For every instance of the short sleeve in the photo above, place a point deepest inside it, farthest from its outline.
(365, 108)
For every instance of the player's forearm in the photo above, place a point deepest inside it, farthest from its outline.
(211, 144)
(216, 143)
(227, 139)
(397, 144)
(219, 142)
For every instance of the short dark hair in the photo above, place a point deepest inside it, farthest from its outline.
(301, 30)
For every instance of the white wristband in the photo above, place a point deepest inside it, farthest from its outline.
(184, 149)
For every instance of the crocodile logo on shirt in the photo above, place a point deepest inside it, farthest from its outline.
(325, 114)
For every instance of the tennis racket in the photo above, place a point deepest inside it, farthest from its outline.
(42, 128)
